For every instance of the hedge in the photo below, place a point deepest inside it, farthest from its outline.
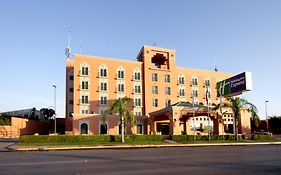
(262, 137)
(189, 138)
(85, 139)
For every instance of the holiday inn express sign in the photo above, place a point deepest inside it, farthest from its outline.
(235, 85)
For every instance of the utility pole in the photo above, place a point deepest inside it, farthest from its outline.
(194, 138)
(267, 129)
(55, 115)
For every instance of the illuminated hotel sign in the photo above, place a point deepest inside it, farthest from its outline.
(235, 85)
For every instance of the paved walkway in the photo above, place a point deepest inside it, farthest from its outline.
(6, 142)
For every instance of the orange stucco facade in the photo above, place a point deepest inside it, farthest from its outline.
(153, 82)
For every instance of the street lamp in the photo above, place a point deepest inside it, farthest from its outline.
(267, 129)
(55, 122)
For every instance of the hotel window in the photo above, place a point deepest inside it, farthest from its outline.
(103, 86)
(71, 102)
(71, 77)
(120, 74)
(103, 72)
(195, 93)
(207, 82)
(103, 100)
(182, 93)
(181, 80)
(168, 91)
(121, 88)
(154, 77)
(137, 89)
(70, 89)
(103, 129)
(168, 103)
(139, 128)
(167, 78)
(137, 102)
(85, 111)
(155, 102)
(85, 85)
(137, 76)
(155, 90)
(85, 99)
(194, 81)
(85, 71)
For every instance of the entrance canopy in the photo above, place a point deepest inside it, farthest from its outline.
(178, 116)
(186, 109)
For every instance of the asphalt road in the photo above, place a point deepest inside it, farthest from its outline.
(264, 159)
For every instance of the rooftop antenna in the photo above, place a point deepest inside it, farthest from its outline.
(68, 50)
(216, 68)
(80, 50)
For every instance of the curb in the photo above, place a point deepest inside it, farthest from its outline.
(15, 148)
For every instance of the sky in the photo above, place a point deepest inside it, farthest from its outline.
(234, 35)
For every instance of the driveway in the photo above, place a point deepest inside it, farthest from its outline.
(5, 142)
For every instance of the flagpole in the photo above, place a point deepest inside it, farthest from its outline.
(222, 117)
(193, 113)
(207, 99)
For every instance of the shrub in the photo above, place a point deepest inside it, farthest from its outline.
(85, 139)
(261, 137)
(5, 120)
(180, 138)
(190, 138)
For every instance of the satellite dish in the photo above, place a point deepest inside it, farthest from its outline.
(68, 50)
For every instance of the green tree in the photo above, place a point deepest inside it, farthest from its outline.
(274, 123)
(121, 109)
(255, 120)
(236, 104)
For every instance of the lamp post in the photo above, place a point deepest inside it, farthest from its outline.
(193, 114)
(55, 122)
(267, 129)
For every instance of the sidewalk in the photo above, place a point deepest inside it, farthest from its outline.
(87, 147)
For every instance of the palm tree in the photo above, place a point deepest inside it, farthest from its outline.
(120, 107)
(236, 104)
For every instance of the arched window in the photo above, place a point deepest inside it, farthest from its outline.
(120, 72)
(84, 69)
(84, 128)
(194, 80)
(139, 129)
(181, 79)
(137, 74)
(102, 70)
(103, 129)
(207, 82)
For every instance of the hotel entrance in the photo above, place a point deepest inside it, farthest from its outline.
(177, 119)
(163, 128)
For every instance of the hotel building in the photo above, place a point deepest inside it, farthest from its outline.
(161, 93)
